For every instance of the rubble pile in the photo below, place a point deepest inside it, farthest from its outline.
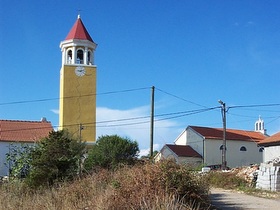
(249, 173)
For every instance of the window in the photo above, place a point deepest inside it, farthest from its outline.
(261, 149)
(221, 147)
(243, 149)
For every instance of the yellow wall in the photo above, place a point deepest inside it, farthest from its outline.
(78, 102)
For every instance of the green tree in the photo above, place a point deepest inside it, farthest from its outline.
(55, 158)
(18, 160)
(110, 151)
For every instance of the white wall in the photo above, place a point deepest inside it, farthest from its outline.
(271, 153)
(191, 161)
(195, 141)
(4, 149)
(234, 157)
(165, 153)
(181, 139)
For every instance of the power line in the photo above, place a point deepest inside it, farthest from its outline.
(70, 97)
(177, 115)
(252, 106)
(191, 102)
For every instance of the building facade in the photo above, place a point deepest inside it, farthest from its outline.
(16, 133)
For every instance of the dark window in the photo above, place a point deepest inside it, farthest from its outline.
(221, 147)
(261, 149)
(243, 149)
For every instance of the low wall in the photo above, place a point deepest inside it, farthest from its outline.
(269, 177)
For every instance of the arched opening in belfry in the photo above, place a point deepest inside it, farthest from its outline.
(69, 56)
(89, 61)
(80, 56)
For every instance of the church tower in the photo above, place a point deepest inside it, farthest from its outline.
(259, 126)
(77, 104)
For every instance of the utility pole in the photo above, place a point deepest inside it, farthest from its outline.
(223, 109)
(152, 121)
(80, 139)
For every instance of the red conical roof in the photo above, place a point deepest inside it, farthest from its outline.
(79, 31)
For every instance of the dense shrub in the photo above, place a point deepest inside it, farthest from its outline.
(55, 159)
(148, 186)
(111, 151)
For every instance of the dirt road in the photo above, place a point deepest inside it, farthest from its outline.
(229, 200)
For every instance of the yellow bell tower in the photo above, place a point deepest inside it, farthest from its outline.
(77, 104)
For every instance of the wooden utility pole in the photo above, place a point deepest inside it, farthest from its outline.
(152, 121)
(224, 161)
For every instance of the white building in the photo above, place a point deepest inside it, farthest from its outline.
(271, 147)
(242, 147)
(182, 154)
(16, 133)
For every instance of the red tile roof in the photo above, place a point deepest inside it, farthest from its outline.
(79, 31)
(183, 150)
(231, 134)
(272, 140)
(24, 131)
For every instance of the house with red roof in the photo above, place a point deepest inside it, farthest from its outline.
(242, 146)
(16, 132)
(271, 147)
(182, 154)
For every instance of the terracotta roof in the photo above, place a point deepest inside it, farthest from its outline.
(24, 131)
(183, 150)
(272, 140)
(231, 134)
(79, 31)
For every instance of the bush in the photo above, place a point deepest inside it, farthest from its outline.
(149, 186)
(111, 151)
(55, 158)
(226, 180)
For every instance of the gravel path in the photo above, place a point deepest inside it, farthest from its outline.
(227, 199)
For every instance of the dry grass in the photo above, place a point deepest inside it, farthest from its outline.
(146, 186)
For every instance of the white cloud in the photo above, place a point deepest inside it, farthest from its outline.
(56, 111)
(147, 150)
(135, 124)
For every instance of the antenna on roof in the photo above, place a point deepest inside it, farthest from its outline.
(79, 15)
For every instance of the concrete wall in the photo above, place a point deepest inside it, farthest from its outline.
(181, 139)
(271, 153)
(234, 157)
(269, 177)
(196, 141)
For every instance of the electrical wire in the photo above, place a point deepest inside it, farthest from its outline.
(71, 97)
(191, 102)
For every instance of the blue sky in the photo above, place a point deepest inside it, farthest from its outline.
(193, 52)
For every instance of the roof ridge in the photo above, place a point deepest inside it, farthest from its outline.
(31, 121)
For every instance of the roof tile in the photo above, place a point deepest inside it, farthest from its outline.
(272, 140)
(183, 150)
(79, 31)
(24, 131)
(231, 134)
